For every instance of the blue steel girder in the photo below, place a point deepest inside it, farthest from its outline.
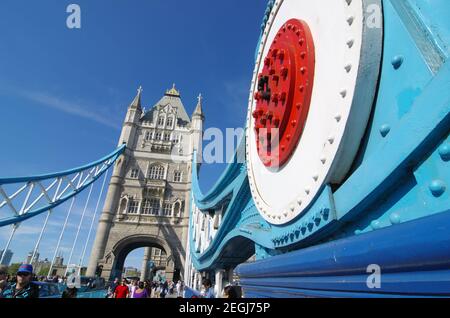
(35, 195)
(401, 172)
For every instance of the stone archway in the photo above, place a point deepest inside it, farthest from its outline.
(114, 261)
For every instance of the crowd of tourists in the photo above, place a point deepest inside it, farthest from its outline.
(26, 285)
(145, 289)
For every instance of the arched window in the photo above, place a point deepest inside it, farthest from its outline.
(148, 135)
(134, 173)
(177, 209)
(161, 121)
(166, 137)
(177, 176)
(167, 211)
(123, 206)
(158, 135)
(146, 207)
(133, 206)
(156, 173)
(170, 122)
(154, 206)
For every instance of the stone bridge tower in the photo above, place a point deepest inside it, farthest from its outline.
(148, 196)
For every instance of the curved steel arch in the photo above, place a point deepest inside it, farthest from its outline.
(391, 209)
(63, 186)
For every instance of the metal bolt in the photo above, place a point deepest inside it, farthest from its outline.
(384, 130)
(275, 97)
(444, 152)
(397, 61)
(375, 224)
(395, 218)
(437, 187)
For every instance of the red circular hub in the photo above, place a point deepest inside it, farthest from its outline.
(284, 93)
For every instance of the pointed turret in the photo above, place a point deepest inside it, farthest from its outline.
(198, 109)
(136, 103)
(197, 128)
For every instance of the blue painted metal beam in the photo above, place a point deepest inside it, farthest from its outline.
(105, 163)
(414, 258)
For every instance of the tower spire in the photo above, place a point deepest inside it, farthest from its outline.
(198, 109)
(136, 103)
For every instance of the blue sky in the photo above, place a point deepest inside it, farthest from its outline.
(64, 92)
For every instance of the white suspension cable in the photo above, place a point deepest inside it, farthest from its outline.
(79, 226)
(16, 226)
(61, 235)
(38, 242)
(13, 231)
(93, 220)
(65, 224)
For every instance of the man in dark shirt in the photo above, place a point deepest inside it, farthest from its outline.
(23, 288)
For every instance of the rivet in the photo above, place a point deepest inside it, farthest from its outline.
(350, 20)
(338, 117)
(323, 160)
(331, 140)
(307, 190)
(348, 68)
(343, 93)
(292, 207)
(350, 43)
(299, 201)
(375, 224)
(395, 218)
(397, 61)
(444, 152)
(316, 177)
(437, 187)
(384, 130)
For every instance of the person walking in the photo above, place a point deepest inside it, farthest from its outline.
(122, 290)
(208, 290)
(133, 286)
(140, 292)
(112, 288)
(24, 287)
(3, 278)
